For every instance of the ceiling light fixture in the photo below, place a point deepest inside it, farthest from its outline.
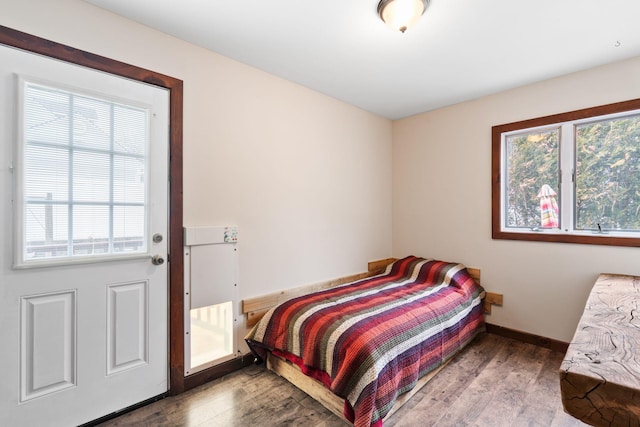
(401, 14)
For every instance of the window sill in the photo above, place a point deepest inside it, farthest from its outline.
(585, 239)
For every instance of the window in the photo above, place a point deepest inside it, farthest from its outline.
(82, 177)
(572, 177)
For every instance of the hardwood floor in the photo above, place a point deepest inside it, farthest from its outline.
(494, 382)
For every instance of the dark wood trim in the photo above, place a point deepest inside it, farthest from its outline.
(496, 193)
(176, 245)
(555, 345)
(51, 49)
(31, 43)
(217, 371)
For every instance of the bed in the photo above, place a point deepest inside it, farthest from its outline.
(371, 341)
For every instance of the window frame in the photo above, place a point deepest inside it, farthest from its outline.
(497, 233)
(20, 202)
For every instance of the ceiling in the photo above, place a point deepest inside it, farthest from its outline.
(459, 50)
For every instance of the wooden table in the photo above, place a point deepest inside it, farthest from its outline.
(600, 374)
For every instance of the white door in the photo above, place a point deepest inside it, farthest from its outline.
(83, 190)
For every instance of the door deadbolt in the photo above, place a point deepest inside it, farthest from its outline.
(157, 260)
(157, 238)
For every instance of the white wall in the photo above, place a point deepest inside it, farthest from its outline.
(309, 182)
(442, 201)
(306, 178)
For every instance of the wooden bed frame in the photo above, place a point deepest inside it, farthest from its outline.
(255, 309)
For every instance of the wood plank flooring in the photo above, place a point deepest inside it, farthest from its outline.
(494, 382)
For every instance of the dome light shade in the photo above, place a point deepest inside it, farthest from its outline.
(401, 14)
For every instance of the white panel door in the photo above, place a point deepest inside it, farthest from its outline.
(83, 190)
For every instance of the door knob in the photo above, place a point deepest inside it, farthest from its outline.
(157, 260)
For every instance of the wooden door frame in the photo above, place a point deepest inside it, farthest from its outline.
(31, 43)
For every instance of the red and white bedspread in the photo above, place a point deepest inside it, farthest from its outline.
(371, 340)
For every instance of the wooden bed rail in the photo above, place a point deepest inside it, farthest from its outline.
(255, 308)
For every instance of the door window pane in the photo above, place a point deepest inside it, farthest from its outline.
(130, 130)
(91, 176)
(46, 173)
(128, 179)
(128, 228)
(83, 183)
(91, 123)
(46, 115)
(90, 230)
(46, 231)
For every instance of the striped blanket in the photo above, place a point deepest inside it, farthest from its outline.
(371, 340)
